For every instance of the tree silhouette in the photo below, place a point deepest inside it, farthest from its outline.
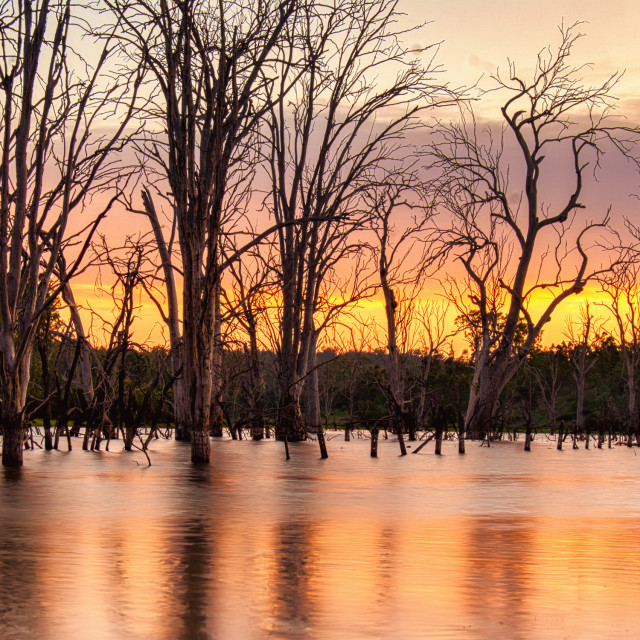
(212, 66)
(503, 229)
(54, 158)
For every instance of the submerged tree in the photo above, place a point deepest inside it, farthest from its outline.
(509, 230)
(348, 116)
(582, 333)
(55, 154)
(400, 261)
(212, 65)
(623, 289)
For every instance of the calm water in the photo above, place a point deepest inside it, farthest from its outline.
(495, 544)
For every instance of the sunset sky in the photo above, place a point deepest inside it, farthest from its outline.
(478, 36)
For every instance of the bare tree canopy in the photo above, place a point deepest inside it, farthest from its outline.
(211, 75)
(288, 159)
(57, 156)
(345, 125)
(513, 243)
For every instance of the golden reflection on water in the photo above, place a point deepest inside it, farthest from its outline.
(495, 544)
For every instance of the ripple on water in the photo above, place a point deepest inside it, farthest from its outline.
(496, 543)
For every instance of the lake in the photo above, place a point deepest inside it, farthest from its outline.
(498, 543)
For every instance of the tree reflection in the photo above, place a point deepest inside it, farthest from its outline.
(498, 589)
(293, 572)
(197, 574)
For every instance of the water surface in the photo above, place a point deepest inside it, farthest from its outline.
(498, 543)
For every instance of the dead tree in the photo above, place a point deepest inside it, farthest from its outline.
(503, 222)
(54, 155)
(398, 269)
(125, 269)
(623, 290)
(313, 423)
(212, 65)
(217, 415)
(581, 333)
(322, 149)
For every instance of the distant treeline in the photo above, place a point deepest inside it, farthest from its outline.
(132, 394)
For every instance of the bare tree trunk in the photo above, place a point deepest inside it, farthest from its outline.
(85, 353)
(580, 405)
(396, 369)
(527, 437)
(587, 436)
(253, 389)
(601, 436)
(481, 414)
(633, 392)
(180, 401)
(200, 446)
(12, 424)
(610, 437)
(293, 357)
(438, 447)
(202, 378)
(403, 446)
(290, 423)
(441, 425)
(312, 399)
(217, 415)
(424, 382)
(490, 379)
(352, 389)
(634, 418)
(374, 442)
(172, 321)
(42, 342)
(123, 422)
(560, 436)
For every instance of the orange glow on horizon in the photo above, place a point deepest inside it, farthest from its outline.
(148, 328)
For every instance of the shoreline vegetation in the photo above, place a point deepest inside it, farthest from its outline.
(353, 389)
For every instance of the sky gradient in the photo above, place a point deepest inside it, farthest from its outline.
(477, 37)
